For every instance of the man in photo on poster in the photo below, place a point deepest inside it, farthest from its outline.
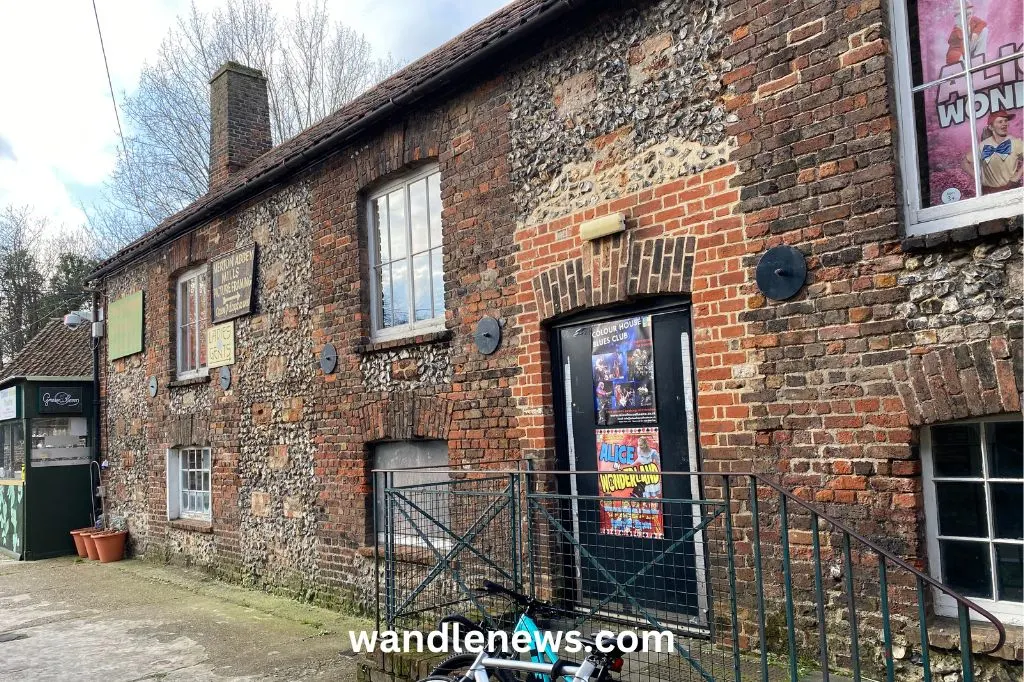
(1001, 155)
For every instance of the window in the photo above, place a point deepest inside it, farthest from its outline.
(960, 98)
(193, 304)
(59, 441)
(406, 265)
(404, 463)
(12, 449)
(188, 483)
(974, 503)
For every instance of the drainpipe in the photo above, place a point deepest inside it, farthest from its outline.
(96, 421)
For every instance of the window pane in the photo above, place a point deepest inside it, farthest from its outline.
(966, 568)
(434, 199)
(999, 127)
(1005, 449)
(418, 215)
(945, 157)
(437, 273)
(422, 286)
(956, 450)
(1008, 510)
(187, 358)
(206, 481)
(962, 509)
(206, 459)
(936, 39)
(203, 304)
(400, 293)
(386, 315)
(1010, 571)
(396, 219)
(379, 221)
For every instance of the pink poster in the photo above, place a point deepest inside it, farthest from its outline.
(945, 121)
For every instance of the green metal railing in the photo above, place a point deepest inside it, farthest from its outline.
(755, 582)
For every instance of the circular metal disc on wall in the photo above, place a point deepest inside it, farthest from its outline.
(328, 359)
(152, 387)
(781, 272)
(225, 378)
(488, 335)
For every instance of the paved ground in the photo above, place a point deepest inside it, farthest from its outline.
(69, 619)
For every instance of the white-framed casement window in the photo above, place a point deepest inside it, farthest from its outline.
(417, 509)
(406, 260)
(974, 507)
(188, 483)
(193, 302)
(960, 94)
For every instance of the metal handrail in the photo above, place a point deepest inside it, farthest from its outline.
(786, 498)
(961, 601)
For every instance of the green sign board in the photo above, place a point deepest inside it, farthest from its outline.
(124, 326)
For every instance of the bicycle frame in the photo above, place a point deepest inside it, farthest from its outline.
(478, 671)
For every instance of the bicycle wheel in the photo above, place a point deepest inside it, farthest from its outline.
(454, 669)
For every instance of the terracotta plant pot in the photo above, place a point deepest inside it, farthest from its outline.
(90, 545)
(76, 535)
(110, 545)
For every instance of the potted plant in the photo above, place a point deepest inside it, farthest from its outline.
(76, 535)
(90, 544)
(111, 542)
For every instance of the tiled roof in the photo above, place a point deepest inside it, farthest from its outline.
(56, 351)
(454, 53)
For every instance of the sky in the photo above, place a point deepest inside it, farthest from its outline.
(58, 132)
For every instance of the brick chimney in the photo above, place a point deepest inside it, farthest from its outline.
(239, 120)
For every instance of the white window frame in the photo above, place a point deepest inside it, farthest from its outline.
(412, 328)
(934, 219)
(200, 370)
(175, 474)
(1008, 611)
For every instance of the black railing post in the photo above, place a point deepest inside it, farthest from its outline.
(820, 599)
(759, 579)
(851, 605)
(732, 580)
(964, 616)
(923, 617)
(787, 582)
(883, 591)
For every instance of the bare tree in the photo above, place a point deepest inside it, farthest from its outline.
(313, 66)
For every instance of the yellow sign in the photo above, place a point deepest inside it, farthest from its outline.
(220, 345)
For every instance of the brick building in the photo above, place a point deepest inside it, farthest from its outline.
(468, 185)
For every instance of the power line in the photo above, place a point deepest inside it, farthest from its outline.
(110, 83)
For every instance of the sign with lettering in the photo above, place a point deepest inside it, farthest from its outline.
(9, 403)
(231, 284)
(60, 400)
(124, 335)
(220, 345)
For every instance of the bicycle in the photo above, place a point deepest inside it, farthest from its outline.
(544, 664)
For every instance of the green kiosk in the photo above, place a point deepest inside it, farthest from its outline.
(46, 416)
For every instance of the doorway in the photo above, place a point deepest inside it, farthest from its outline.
(625, 413)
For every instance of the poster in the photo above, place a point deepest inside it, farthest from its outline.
(9, 403)
(623, 363)
(630, 483)
(944, 121)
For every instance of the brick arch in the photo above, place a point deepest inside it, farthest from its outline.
(405, 416)
(614, 270)
(974, 379)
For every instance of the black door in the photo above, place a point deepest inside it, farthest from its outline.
(633, 557)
